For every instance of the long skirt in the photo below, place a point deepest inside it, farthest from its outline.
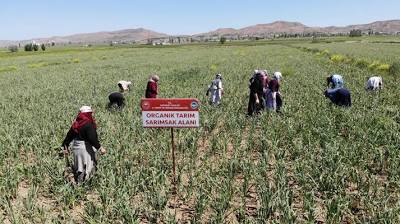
(84, 160)
(253, 107)
(215, 96)
(271, 102)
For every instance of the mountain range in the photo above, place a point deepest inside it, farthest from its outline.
(390, 26)
(278, 27)
(127, 35)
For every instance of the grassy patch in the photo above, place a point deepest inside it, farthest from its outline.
(288, 71)
(8, 68)
(394, 69)
(75, 60)
(338, 58)
(361, 63)
(38, 65)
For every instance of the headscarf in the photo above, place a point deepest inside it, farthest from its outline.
(155, 78)
(84, 117)
(277, 76)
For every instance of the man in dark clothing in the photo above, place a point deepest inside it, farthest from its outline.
(339, 96)
(117, 99)
(256, 98)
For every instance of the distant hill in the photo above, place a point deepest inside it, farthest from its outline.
(278, 27)
(128, 36)
(391, 27)
(275, 27)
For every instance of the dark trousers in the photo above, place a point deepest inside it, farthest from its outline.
(116, 99)
(253, 107)
(279, 102)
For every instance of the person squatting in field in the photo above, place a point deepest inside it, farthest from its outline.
(152, 87)
(335, 81)
(256, 98)
(117, 99)
(215, 91)
(83, 140)
(339, 96)
(374, 83)
(273, 99)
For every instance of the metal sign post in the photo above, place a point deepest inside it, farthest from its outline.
(173, 157)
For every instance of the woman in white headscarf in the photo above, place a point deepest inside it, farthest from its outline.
(215, 91)
(124, 85)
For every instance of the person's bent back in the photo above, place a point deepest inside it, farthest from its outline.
(116, 99)
(374, 83)
(340, 96)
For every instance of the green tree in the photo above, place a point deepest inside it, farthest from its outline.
(222, 40)
(35, 47)
(43, 47)
(355, 33)
(28, 47)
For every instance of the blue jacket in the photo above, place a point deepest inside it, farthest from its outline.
(339, 96)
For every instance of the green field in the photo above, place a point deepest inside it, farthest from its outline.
(386, 52)
(314, 163)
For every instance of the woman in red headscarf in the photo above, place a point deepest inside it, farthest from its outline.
(152, 87)
(83, 140)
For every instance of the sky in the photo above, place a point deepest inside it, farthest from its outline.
(25, 19)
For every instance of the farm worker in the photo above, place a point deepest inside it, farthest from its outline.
(215, 90)
(124, 85)
(152, 87)
(273, 96)
(83, 140)
(335, 80)
(278, 76)
(256, 98)
(116, 99)
(339, 96)
(255, 73)
(374, 83)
